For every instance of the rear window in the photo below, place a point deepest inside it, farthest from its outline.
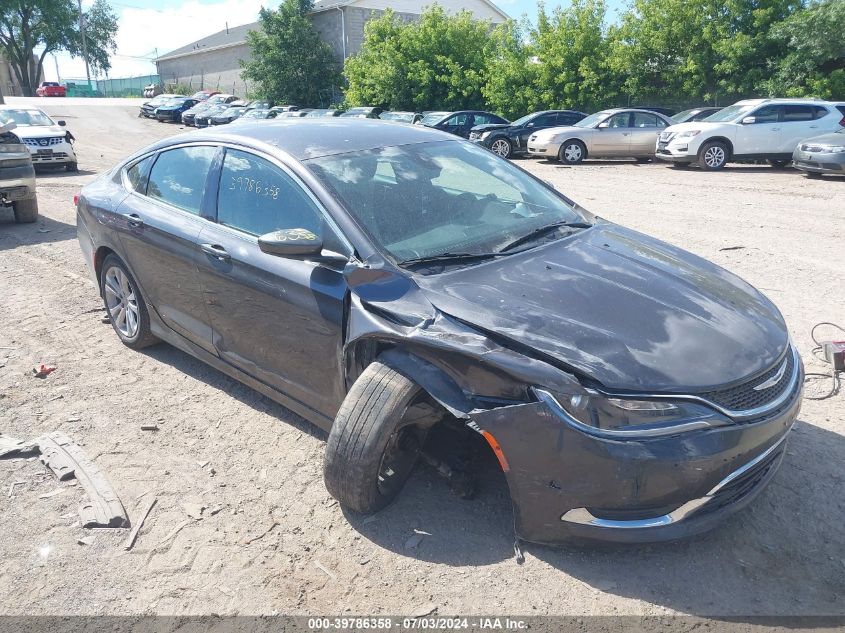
(137, 174)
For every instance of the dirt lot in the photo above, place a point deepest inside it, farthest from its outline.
(280, 543)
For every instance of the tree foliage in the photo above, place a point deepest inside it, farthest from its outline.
(51, 26)
(290, 63)
(674, 52)
(438, 61)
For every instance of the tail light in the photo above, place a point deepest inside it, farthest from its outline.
(76, 199)
(842, 122)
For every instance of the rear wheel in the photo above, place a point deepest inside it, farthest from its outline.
(26, 211)
(779, 164)
(813, 175)
(642, 159)
(501, 147)
(572, 152)
(125, 304)
(713, 155)
(376, 439)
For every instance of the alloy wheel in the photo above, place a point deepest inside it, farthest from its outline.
(714, 156)
(501, 147)
(121, 302)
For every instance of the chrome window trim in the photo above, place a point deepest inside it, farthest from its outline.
(583, 516)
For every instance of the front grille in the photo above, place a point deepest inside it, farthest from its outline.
(44, 142)
(744, 397)
(740, 487)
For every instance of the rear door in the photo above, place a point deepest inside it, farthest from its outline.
(645, 130)
(612, 136)
(537, 123)
(458, 124)
(801, 121)
(277, 319)
(159, 225)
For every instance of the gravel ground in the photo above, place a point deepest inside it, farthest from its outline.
(279, 543)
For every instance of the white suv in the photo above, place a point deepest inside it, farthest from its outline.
(753, 129)
(48, 141)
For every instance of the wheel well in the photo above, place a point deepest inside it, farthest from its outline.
(582, 143)
(721, 139)
(99, 257)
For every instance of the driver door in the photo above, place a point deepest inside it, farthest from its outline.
(277, 319)
(612, 136)
(762, 136)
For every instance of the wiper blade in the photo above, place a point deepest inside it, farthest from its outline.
(543, 230)
(446, 258)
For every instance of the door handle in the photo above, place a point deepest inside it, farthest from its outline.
(216, 251)
(133, 220)
(813, 127)
(775, 129)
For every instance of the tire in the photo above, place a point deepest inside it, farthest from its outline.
(680, 165)
(812, 175)
(572, 152)
(368, 430)
(642, 159)
(113, 294)
(779, 164)
(501, 147)
(71, 166)
(713, 155)
(26, 211)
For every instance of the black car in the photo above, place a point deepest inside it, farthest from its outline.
(228, 115)
(174, 109)
(694, 114)
(408, 291)
(148, 108)
(460, 123)
(511, 139)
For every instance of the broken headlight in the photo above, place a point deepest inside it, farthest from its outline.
(597, 413)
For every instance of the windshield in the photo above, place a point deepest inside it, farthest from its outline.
(730, 113)
(427, 199)
(594, 119)
(681, 116)
(407, 117)
(27, 117)
(256, 114)
(523, 120)
(433, 118)
(233, 111)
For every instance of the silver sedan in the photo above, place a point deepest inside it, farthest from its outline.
(617, 133)
(821, 155)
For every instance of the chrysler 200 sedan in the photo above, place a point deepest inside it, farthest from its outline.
(385, 280)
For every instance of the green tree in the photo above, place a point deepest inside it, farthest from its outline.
(573, 48)
(814, 64)
(290, 63)
(512, 71)
(51, 26)
(438, 61)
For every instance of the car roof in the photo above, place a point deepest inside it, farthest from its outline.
(796, 100)
(305, 139)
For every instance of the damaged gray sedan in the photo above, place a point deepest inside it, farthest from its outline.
(387, 282)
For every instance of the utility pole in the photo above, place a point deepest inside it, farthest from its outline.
(58, 76)
(84, 43)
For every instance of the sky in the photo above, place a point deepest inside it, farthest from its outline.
(153, 27)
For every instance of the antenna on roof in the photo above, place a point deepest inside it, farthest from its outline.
(227, 28)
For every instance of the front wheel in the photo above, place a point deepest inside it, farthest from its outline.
(812, 175)
(125, 304)
(376, 439)
(713, 155)
(501, 147)
(572, 152)
(71, 166)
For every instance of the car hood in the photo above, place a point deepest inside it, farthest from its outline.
(703, 126)
(486, 127)
(39, 131)
(833, 138)
(552, 132)
(627, 310)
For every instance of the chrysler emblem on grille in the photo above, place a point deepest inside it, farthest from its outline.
(771, 382)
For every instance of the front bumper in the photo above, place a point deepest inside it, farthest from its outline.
(542, 149)
(676, 151)
(570, 485)
(167, 115)
(17, 183)
(819, 162)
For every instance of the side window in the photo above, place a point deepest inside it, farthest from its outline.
(822, 112)
(618, 120)
(137, 174)
(567, 118)
(766, 114)
(483, 119)
(545, 120)
(644, 119)
(257, 197)
(178, 176)
(793, 113)
(458, 120)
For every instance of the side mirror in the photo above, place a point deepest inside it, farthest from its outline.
(749, 120)
(603, 125)
(62, 122)
(291, 243)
